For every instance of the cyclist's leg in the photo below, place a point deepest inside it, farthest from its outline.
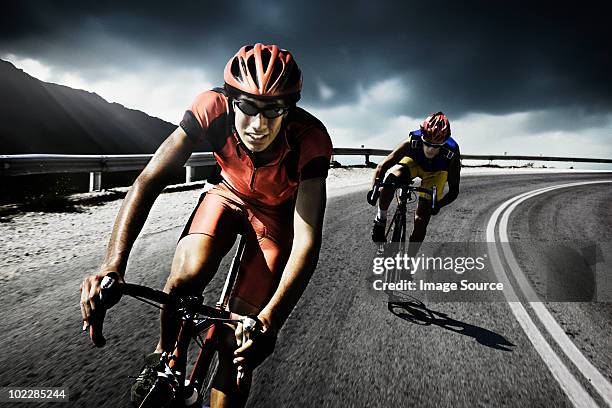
(403, 172)
(266, 253)
(196, 260)
(198, 255)
(422, 214)
(431, 179)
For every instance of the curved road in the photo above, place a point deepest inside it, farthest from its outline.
(343, 346)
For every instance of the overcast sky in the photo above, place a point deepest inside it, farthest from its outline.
(522, 79)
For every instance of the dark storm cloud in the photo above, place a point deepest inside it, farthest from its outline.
(458, 56)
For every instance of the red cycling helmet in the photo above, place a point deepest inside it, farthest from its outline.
(436, 129)
(263, 71)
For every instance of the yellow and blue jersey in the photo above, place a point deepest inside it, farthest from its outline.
(435, 171)
(442, 161)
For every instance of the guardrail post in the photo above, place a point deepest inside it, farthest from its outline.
(95, 181)
(189, 173)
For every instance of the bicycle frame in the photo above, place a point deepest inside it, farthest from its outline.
(202, 364)
(195, 318)
(406, 194)
(189, 330)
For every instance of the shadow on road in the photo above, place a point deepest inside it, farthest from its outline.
(417, 313)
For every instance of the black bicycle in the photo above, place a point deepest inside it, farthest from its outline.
(405, 193)
(173, 388)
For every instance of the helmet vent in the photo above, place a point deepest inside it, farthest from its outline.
(253, 71)
(265, 57)
(236, 69)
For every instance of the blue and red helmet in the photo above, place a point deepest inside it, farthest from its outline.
(435, 129)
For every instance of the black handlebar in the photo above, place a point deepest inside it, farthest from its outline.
(374, 193)
(112, 290)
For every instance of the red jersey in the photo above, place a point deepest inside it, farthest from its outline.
(302, 148)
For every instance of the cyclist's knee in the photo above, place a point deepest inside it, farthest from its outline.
(386, 193)
(193, 257)
(179, 283)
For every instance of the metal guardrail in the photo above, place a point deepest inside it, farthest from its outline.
(95, 165)
(383, 152)
(534, 158)
(27, 164)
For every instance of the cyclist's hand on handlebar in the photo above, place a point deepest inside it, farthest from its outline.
(255, 344)
(91, 309)
(372, 195)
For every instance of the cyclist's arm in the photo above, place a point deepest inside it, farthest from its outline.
(167, 161)
(454, 176)
(308, 227)
(401, 151)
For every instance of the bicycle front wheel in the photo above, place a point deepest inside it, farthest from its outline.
(207, 382)
(399, 227)
(206, 366)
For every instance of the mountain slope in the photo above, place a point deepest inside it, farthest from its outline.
(41, 117)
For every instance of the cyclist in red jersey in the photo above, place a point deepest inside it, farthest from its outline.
(274, 159)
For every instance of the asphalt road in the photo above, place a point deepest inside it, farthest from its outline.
(343, 346)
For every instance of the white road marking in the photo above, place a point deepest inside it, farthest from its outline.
(598, 381)
(570, 385)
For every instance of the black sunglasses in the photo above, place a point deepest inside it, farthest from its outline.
(269, 111)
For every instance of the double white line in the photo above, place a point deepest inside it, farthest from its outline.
(570, 385)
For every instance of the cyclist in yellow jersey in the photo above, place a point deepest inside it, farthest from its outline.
(431, 154)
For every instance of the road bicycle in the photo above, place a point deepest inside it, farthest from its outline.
(405, 193)
(173, 388)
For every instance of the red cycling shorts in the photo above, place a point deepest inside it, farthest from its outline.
(269, 231)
